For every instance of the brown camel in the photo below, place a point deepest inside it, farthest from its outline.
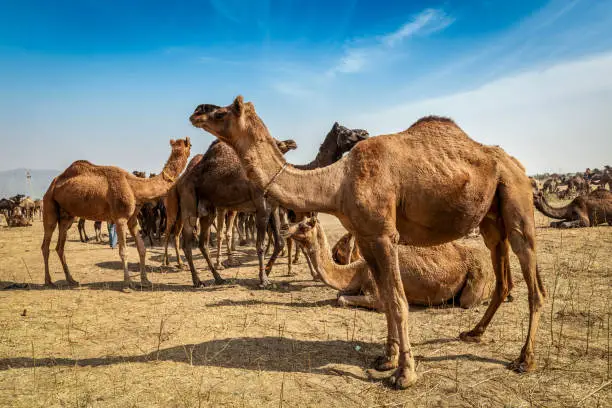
(83, 234)
(430, 275)
(378, 193)
(17, 218)
(216, 181)
(345, 251)
(584, 211)
(105, 193)
(338, 141)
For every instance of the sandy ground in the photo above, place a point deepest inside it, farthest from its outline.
(237, 345)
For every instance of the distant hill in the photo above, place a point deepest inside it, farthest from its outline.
(13, 182)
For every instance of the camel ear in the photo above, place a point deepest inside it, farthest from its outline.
(187, 141)
(238, 105)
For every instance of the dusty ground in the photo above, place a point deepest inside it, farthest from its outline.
(236, 345)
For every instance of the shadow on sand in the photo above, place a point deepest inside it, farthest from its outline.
(253, 353)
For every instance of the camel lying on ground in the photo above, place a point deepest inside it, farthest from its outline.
(105, 193)
(430, 275)
(584, 211)
(379, 194)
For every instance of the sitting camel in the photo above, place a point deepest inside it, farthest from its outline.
(105, 193)
(379, 195)
(431, 275)
(584, 211)
(17, 219)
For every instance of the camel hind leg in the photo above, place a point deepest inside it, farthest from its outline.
(229, 239)
(142, 251)
(50, 219)
(64, 225)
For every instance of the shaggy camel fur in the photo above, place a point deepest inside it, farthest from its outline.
(380, 195)
(584, 211)
(105, 193)
(430, 275)
(216, 181)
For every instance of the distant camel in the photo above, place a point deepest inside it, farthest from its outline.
(584, 211)
(105, 193)
(83, 234)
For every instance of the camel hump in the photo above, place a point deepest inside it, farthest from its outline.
(433, 119)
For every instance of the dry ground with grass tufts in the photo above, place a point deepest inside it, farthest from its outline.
(238, 346)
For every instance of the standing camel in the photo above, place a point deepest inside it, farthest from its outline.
(215, 184)
(105, 193)
(378, 193)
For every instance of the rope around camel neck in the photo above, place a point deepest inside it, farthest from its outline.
(265, 192)
(170, 178)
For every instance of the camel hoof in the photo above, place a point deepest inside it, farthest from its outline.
(231, 262)
(521, 365)
(470, 337)
(266, 284)
(197, 284)
(403, 378)
(383, 363)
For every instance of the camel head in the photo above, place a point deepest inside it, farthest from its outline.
(347, 138)
(286, 145)
(236, 124)
(303, 232)
(182, 146)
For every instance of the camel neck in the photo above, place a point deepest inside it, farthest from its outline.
(349, 277)
(300, 190)
(153, 188)
(329, 153)
(542, 205)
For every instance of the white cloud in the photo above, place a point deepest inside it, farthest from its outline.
(551, 119)
(356, 58)
(426, 22)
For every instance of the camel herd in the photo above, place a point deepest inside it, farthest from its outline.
(405, 198)
(19, 211)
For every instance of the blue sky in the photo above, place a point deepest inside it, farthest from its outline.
(112, 81)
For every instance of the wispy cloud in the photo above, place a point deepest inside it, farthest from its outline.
(528, 114)
(357, 58)
(426, 22)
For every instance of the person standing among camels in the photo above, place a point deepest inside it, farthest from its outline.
(105, 193)
(378, 193)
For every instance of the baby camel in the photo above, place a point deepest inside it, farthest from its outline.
(430, 275)
(105, 193)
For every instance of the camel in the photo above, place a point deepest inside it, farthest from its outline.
(430, 276)
(28, 207)
(211, 185)
(379, 194)
(345, 251)
(584, 211)
(17, 219)
(338, 141)
(105, 193)
(578, 185)
(550, 186)
(83, 234)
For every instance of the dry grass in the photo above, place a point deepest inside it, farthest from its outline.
(236, 345)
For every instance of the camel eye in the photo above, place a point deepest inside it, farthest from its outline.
(219, 115)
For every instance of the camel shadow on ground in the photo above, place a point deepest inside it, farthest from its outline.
(276, 354)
